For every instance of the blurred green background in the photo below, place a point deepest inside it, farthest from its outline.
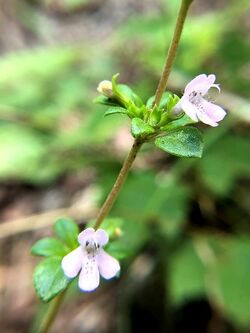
(186, 229)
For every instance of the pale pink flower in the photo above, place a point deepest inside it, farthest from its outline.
(90, 260)
(197, 107)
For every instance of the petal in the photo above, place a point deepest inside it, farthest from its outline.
(215, 112)
(72, 263)
(204, 118)
(85, 235)
(177, 109)
(108, 266)
(89, 277)
(189, 108)
(210, 113)
(102, 237)
(194, 83)
(201, 83)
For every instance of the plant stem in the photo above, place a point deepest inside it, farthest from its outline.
(118, 183)
(172, 50)
(52, 312)
(106, 207)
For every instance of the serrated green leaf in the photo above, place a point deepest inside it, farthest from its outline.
(49, 247)
(115, 110)
(183, 142)
(140, 129)
(68, 231)
(49, 279)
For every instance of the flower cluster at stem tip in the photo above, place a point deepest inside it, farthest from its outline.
(90, 261)
(194, 103)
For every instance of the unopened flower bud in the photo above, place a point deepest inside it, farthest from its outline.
(105, 88)
(118, 232)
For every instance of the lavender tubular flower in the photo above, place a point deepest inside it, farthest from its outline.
(90, 260)
(197, 107)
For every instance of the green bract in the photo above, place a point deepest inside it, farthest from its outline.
(140, 129)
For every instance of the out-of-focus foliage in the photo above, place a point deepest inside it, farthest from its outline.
(196, 212)
(46, 113)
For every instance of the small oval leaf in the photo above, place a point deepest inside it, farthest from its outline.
(183, 142)
(49, 279)
(47, 247)
(68, 231)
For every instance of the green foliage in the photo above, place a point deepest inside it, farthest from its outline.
(72, 4)
(164, 102)
(225, 162)
(148, 197)
(49, 279)
(49, 127)
(20, 150)
(111, 225)
(180, 122)
(67, 230)
(186, 274)
(183, 142)
(115, 229)
(49, 247)
(217, 267)
(233, 271)
(115, 110)
(43, 118)
(140, 129)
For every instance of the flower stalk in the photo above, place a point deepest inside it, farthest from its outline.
(52, 313)
(106, 207)
(185, 4)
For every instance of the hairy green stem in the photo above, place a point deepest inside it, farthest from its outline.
(51, 313)
(118, 184)
(172, 50)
